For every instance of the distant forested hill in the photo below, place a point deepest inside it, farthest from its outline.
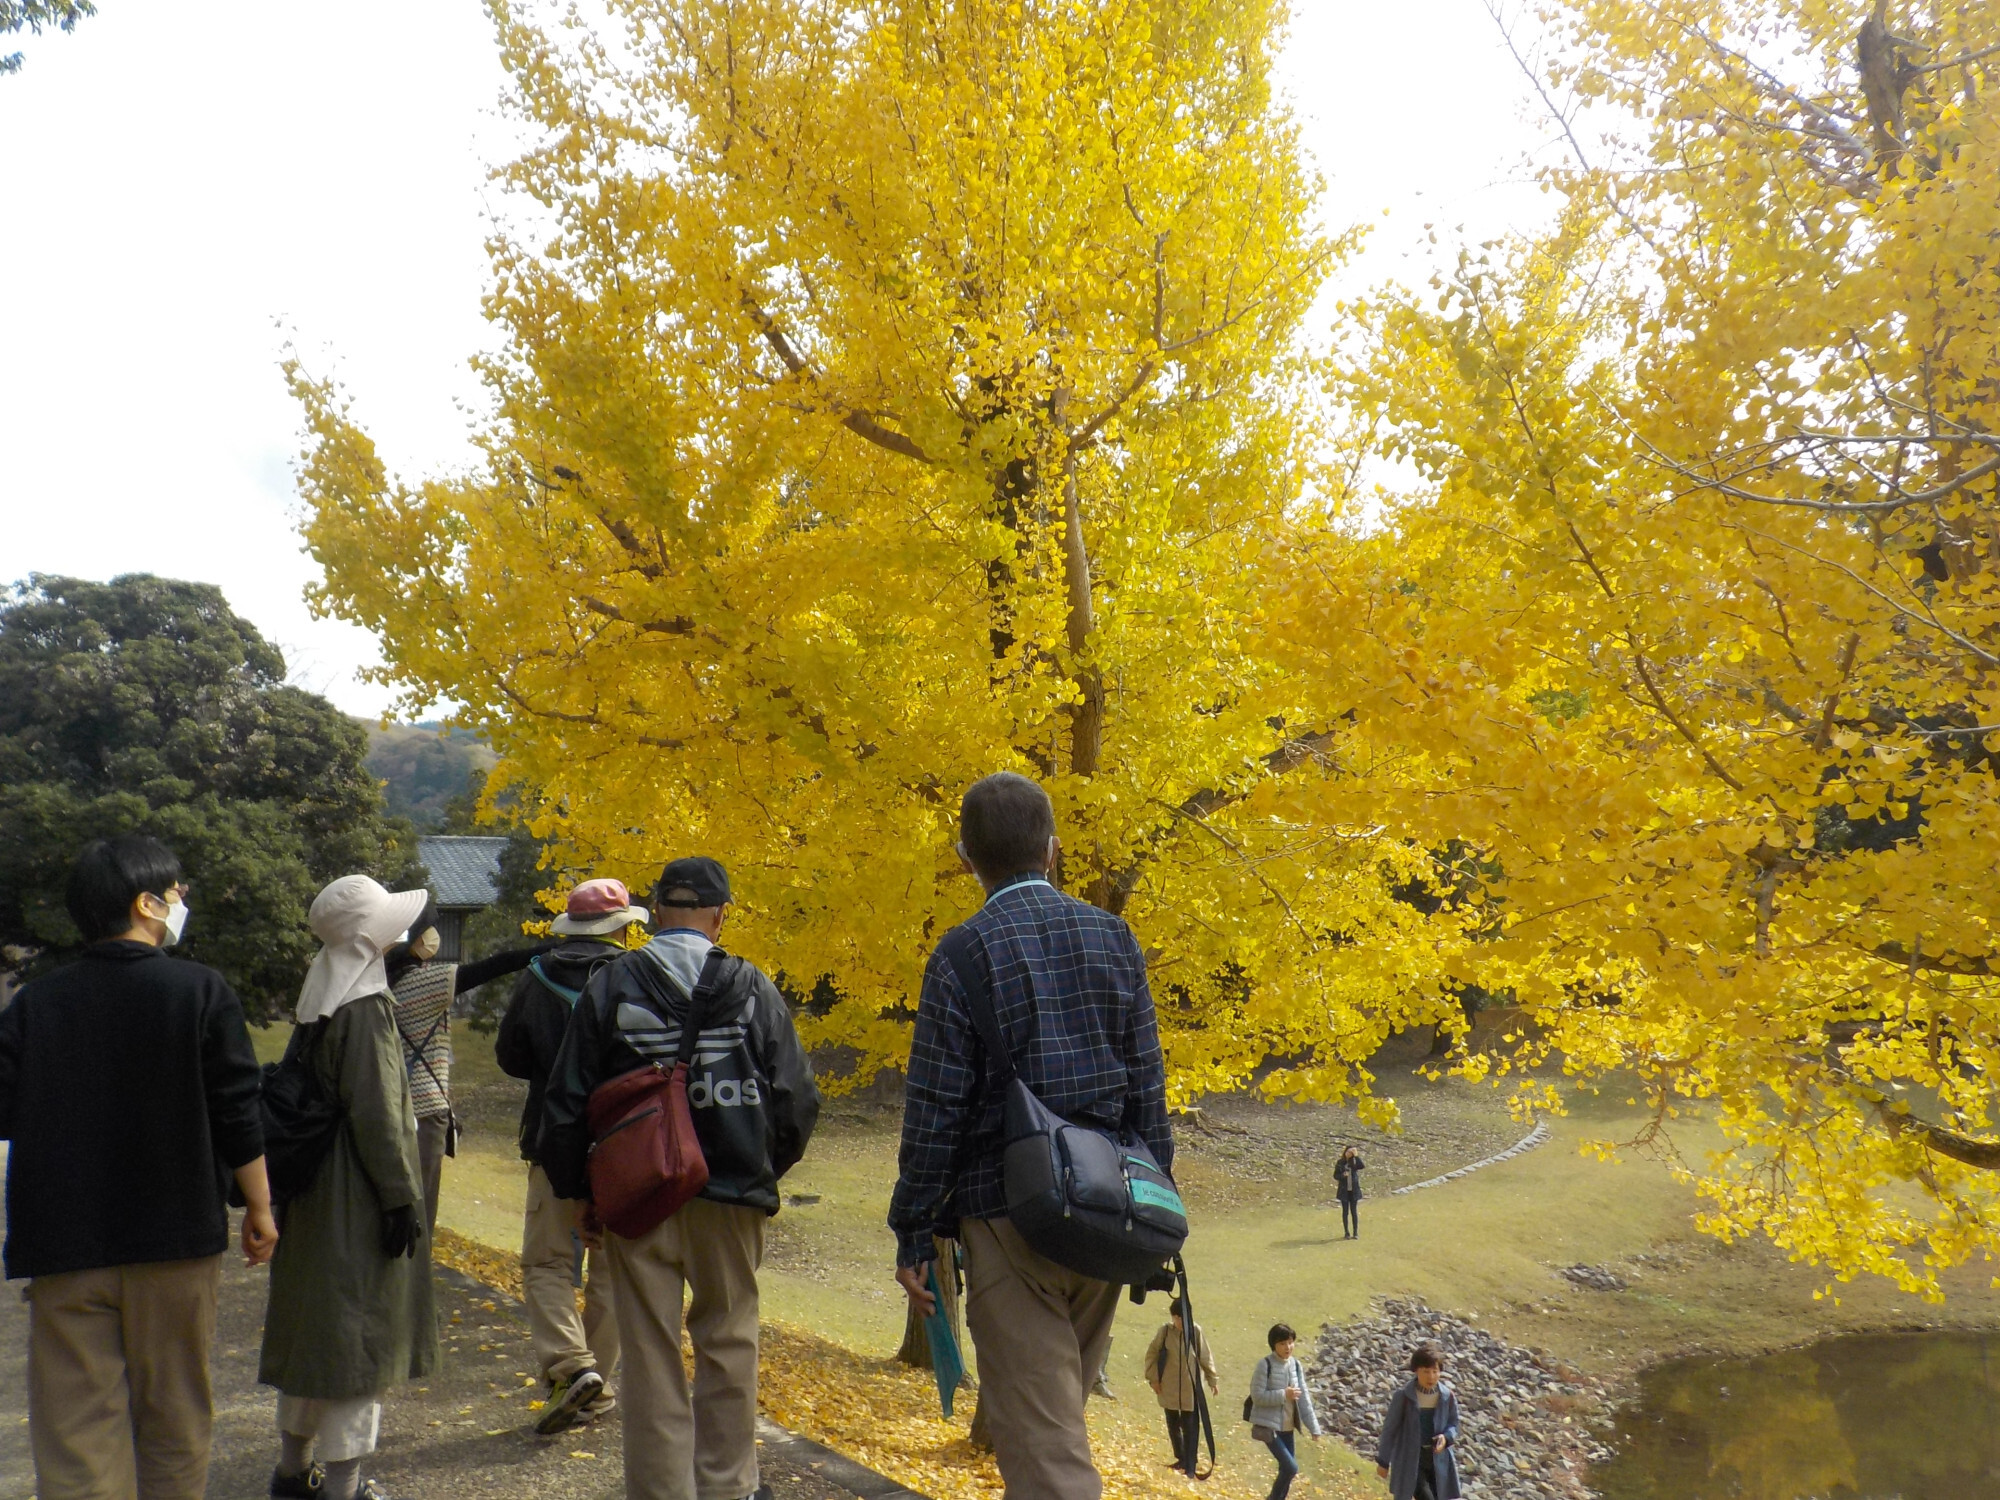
(425, 767)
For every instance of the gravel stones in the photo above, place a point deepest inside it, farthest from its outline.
(1525, 1417)
(1597, 1278)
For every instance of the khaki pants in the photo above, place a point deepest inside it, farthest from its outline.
(1040, 1333)
(564, 1343)
(706, 1448)
(118, 1392)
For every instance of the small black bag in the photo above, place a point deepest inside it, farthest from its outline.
(300, 1121)
(1100, 1207)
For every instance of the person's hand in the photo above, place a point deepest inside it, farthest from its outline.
(400, 1232)
(1291, 1393)
(1437, 1443)
(1381, 1471)
(1214, 1386)
(260, 1235)
(911, 1279)
(589, 1228)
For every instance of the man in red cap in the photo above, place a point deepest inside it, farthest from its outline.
(578, 1355)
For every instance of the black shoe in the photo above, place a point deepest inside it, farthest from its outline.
(567, 1401)
(305, 1485)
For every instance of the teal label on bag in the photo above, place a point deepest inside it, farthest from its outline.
(1152, 1195)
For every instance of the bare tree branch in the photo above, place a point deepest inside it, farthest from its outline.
(860, 423)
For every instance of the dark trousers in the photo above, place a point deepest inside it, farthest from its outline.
(1283, 1446)
(1182, 1431)
(1350, 1216)
(1426, 1475)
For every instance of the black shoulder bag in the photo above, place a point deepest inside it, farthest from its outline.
(1099, 1207)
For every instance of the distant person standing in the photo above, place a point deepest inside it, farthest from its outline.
(1417, 1450)
(578, 1355)
(1172, 1377)
(753, 1101)
(351, 1312)
(129, 1091)
(1281, 1407)
(1347, 1186)
(421, 992)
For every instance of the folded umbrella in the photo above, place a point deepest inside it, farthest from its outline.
(946, 1363)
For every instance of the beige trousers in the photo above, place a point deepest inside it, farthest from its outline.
(339, 1430)
(118, 1393)
(1040, 1333)
(677, 1448)
(564, 1343)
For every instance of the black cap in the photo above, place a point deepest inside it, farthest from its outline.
(697, 873)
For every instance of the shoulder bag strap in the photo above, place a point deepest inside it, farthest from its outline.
(416, 1050)
(700, 1001)
(975, 981)
(562, 992)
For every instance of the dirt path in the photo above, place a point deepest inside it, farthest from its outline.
(465, 1435)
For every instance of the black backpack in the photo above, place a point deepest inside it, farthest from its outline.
(300, 1120)
(1099, 1207)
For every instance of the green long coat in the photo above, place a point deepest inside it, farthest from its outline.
(345, 1321)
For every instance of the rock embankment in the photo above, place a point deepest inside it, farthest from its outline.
(1526, 1418)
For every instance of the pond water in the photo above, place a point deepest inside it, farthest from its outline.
(1907, 1416)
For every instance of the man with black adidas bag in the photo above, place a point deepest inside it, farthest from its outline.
(1035, 1133)
(578, 1354)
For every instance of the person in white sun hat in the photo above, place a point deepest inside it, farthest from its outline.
(578, 1355)
(351, 1312)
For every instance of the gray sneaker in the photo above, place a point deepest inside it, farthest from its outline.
(567, 1401)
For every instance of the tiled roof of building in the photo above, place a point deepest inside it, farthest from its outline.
(464, 871)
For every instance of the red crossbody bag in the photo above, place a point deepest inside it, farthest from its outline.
(646, 1161)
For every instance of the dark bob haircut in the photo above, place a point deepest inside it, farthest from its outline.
(1426, 1357)
(110, 875)
(1279, 1333)
(1005, 824)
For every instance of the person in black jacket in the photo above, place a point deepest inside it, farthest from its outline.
(129, 1091)
(754, 1104)
(1347, 1186)
(578, 1355)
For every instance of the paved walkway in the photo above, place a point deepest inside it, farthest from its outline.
(465, 1435)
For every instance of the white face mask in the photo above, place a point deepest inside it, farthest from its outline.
(176, 920)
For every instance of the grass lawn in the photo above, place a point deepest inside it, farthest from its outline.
(1267, 1247)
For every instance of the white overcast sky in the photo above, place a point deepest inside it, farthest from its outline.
(185, 190)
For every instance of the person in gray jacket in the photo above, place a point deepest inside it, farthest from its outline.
(1281, 1406)
(1419, 1434)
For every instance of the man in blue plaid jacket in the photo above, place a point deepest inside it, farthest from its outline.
(1069, 990)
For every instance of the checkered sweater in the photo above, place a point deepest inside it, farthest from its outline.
(1085, 1040)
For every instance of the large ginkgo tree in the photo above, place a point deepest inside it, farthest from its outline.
(893, 393)
(1692, 630)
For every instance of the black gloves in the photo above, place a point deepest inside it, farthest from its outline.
(400, 1232)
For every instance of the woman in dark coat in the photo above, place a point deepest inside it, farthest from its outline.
(350, 1312)
(1347, 1184)
(1420, 1433)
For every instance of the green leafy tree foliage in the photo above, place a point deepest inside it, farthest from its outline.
(17, 16)
(146, 704)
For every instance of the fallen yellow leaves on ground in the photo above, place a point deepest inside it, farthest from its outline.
(885, 1416)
